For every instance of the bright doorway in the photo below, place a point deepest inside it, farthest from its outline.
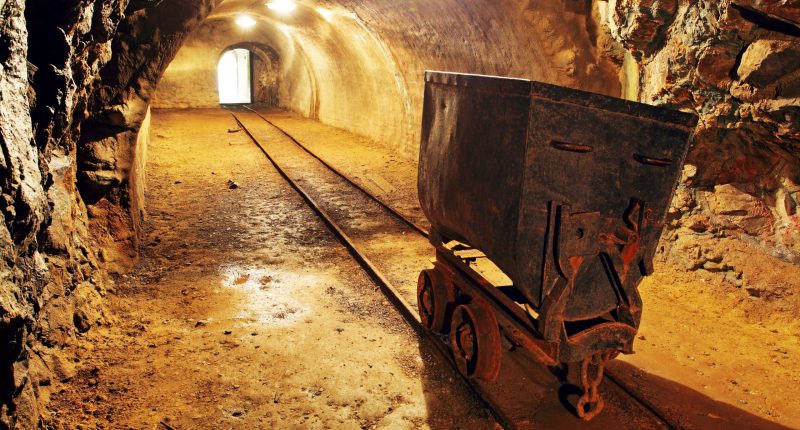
(233, 77)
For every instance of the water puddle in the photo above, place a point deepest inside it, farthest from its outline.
(270, 295)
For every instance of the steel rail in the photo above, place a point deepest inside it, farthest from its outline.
(373, 271)
(421, 230)
(406, 310)
(649, 406)
(615, 380)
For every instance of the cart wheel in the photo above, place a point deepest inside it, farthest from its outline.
(475, 341)
(435, 296)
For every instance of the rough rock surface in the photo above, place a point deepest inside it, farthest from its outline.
(53, 55)
(737, 65)
(145, 43)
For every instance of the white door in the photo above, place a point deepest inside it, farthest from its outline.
(233, 77)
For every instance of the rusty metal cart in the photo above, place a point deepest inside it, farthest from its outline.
(565, 192)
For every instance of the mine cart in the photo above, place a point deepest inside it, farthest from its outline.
(565, 192)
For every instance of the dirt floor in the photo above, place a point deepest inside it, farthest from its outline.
(244, 312)
(705, 343)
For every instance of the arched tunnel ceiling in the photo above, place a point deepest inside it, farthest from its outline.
(360, 65)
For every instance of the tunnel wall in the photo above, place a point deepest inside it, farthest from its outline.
(75, 78)
(737, 65)
(266, 78)
(189, 83)
(145, 42)
(545, 41)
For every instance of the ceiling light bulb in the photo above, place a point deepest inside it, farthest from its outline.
(283, 6)
(245, 21)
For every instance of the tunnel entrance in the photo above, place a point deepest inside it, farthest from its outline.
(234, 76)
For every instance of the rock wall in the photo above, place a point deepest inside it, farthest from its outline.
(145, 43)
(737, 65)
(70, 72)
(50, 291)
(266, 77)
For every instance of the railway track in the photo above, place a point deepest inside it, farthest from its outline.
(538, 410)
